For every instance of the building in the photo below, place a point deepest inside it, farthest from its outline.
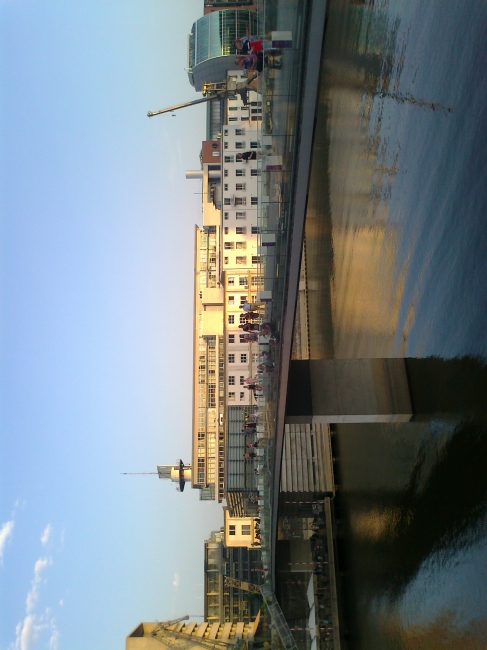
(226, 275)
(224, 603)
(187, 635)
(211, 47)
(240, 531)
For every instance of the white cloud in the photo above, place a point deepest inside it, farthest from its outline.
(46, 534)
(61, 602)
(175, 583)
(54, 640)
(33, 595)
(5, 534)
(27, 633)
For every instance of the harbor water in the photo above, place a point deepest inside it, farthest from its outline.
(396, 255)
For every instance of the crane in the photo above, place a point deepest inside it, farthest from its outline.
(215, 90)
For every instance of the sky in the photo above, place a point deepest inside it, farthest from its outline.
(96, 285)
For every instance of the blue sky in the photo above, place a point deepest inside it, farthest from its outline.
(96, 234)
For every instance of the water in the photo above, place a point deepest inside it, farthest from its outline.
(396, 249)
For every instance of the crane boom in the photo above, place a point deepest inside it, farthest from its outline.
(215, 90)
(183, 105)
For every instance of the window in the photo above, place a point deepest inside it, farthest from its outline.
(225, 131)
(243, 281)
(225, 260)
(242, 338)
(240, 230)
(225, 215)
(225, 172)
(243, 358)
(240, 172)
(231, 319)
(257, 281)
(240, 145)
(225, 187)
(227, 201)
(231, 300)
(225, 230)
(232, 108)
(228, 245)
(242, 319)
(241, 200)
(231, 529)
(255, 259)
(241, 259)
(242, 378)
(231, 380)
(255, 357)
(255, 230)
(256, 111)
(229, 159)
(240, 215)
(254, 200)
(241, 245)
(239, 131)
(231, 396)
(256, 103)
(231, 338)
(225, 145)
(242, 397)
(243, 299)
(233, 119)
(255, 145)
(255, 118)
(240, 187)
(253, 172)
(245, 529)
(215, 154)
(230, 280)
(231, 358)
(244, 118)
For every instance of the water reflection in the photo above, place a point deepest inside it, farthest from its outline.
(395, 243)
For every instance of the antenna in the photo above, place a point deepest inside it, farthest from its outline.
(137, 473)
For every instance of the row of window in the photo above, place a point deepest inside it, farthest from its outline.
(239, 245)
(242, 230)
(243, 281)
(243, 358)
(239, 187)
(231, 380)
(231, 158)
(241, 144)
(231, 319)
(239, 171)
(231, 396)
(241, 339)
(238, 215)
(245, 529)
(241, 260)
(240, 200)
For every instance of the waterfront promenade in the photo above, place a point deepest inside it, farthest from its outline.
(389, 327)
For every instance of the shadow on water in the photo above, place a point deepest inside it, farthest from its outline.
(443, 514)
(393, 533)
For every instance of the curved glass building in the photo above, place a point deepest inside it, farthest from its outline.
(211, 50)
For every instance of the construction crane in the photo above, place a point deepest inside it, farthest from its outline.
(240, 584)
(215, 90)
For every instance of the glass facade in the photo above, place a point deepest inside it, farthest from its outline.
(214, 34)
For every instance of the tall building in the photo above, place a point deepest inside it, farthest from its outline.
(223, 603)
(226, 275)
